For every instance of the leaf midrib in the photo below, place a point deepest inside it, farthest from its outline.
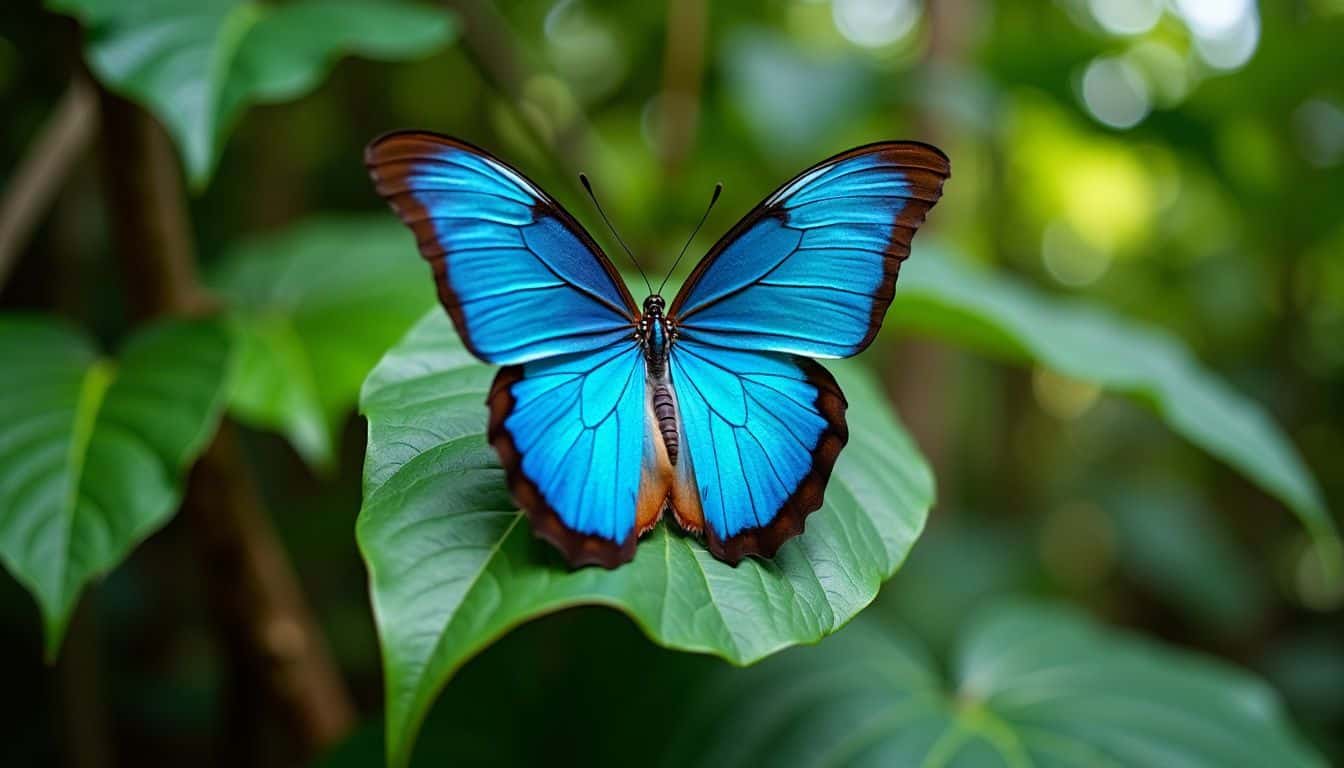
(92, 393)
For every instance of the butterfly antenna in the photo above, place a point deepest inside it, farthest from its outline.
(583, 179)
(718, 188)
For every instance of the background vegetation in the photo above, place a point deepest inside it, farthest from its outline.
(1096, 444)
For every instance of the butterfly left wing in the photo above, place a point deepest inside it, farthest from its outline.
(809, 272)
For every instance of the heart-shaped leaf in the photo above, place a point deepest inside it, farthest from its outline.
(197, 64)
(93, 450)
(312, 309)
(942, 297)
(1030, 685)
(453, 563)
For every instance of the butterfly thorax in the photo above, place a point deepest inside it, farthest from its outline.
(655, 335)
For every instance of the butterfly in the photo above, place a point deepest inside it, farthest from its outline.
(606, 414)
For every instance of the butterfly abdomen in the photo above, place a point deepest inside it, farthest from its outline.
(665, 410)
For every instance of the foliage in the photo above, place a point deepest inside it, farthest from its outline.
(453, 564)
(93, 450)
(198, 64)
(941, 296)
(1028, 684)
(312, 310)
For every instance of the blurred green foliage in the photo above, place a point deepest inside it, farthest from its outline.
(1179, 162)
(95, 449)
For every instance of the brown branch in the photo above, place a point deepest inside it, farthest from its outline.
(922, 370)
(42, 171)
(267, 629)
(683, 70)
(148, 214)
(85, 730)
(498, 57)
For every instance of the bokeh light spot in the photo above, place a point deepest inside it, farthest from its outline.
(1126, 17)
(1063, 397)
(875, 23)
(1069, 259)
(1319, 125)
(1115, 92)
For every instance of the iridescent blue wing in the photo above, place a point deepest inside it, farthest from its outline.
(812, 269)
(520, 278)
(527, 288)
(762, 431)
(575, 435)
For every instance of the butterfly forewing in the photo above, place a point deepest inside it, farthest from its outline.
(520, 278)
(812, 269)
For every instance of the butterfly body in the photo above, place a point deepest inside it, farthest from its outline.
(606, 415)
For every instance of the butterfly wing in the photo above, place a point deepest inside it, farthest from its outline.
(520, 278)
(812, 269)
(762, 431)
(575, 436)
(528, 289)
(809, 272)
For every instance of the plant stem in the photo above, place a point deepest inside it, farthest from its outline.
(683, 70)
(266, 627)
(66, 136)
(501, 60)
(84, 719)
(921, 380)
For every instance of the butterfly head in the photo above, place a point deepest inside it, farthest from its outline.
(653, 306)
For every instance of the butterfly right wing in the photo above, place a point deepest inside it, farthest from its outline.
(762, 431)
(520, 278)
(528, 289)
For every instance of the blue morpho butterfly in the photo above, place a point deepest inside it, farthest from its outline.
(605, 415)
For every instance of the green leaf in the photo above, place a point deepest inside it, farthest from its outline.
(93, 450)
(312, 309)
(453, 564)
(940, 296)
(1169, 541)
(198, 64)
(1030, 685)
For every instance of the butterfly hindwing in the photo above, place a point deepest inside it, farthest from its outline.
(764, 430)
(808, 273)
(812, 269)
(574, 435)
(520, 278)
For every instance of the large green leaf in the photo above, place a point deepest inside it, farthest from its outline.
(93, 450)
(1029, 685)
(940, 296)
(197, 64)
(453, 563)
(313, 308)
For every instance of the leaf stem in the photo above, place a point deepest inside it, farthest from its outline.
(264, 622)
(43, 170)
